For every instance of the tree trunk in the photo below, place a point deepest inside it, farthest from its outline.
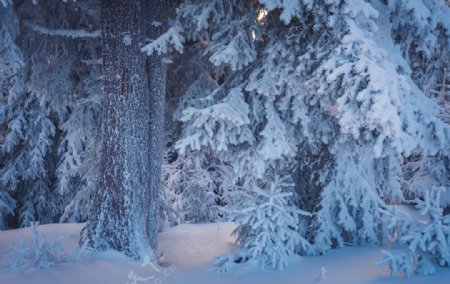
(154, 24)
(123, 215)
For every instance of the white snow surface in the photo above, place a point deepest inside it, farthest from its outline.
(189, 251)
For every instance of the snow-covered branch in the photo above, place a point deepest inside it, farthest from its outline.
(64, 33)
(5, 3)
(98, 61)
(172, 39)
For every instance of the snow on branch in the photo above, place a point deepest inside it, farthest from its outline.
(172, 39)
(5, 3)
(64, 33)
(98, 61)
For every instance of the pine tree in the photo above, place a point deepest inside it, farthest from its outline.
(10, 64)
(52, 111)
(269, 225)
(196, 182)
(198, 185)
(308, 78)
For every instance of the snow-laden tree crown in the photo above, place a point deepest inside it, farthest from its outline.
(334, 95)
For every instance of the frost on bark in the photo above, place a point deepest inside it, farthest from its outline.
(124, 204)
(154, 24)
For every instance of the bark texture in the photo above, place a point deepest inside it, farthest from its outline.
(123, 215)
(155, 23)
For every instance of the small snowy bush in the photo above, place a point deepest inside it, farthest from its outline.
(427, 241)
(39, 253)
(196, 184)
(269, 224)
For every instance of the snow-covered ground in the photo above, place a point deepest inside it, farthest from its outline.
(188, 254)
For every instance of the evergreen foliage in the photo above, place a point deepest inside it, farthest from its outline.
(426, 241)
(269, 225)
(52, 115)
(326, 77)
(348, 100)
